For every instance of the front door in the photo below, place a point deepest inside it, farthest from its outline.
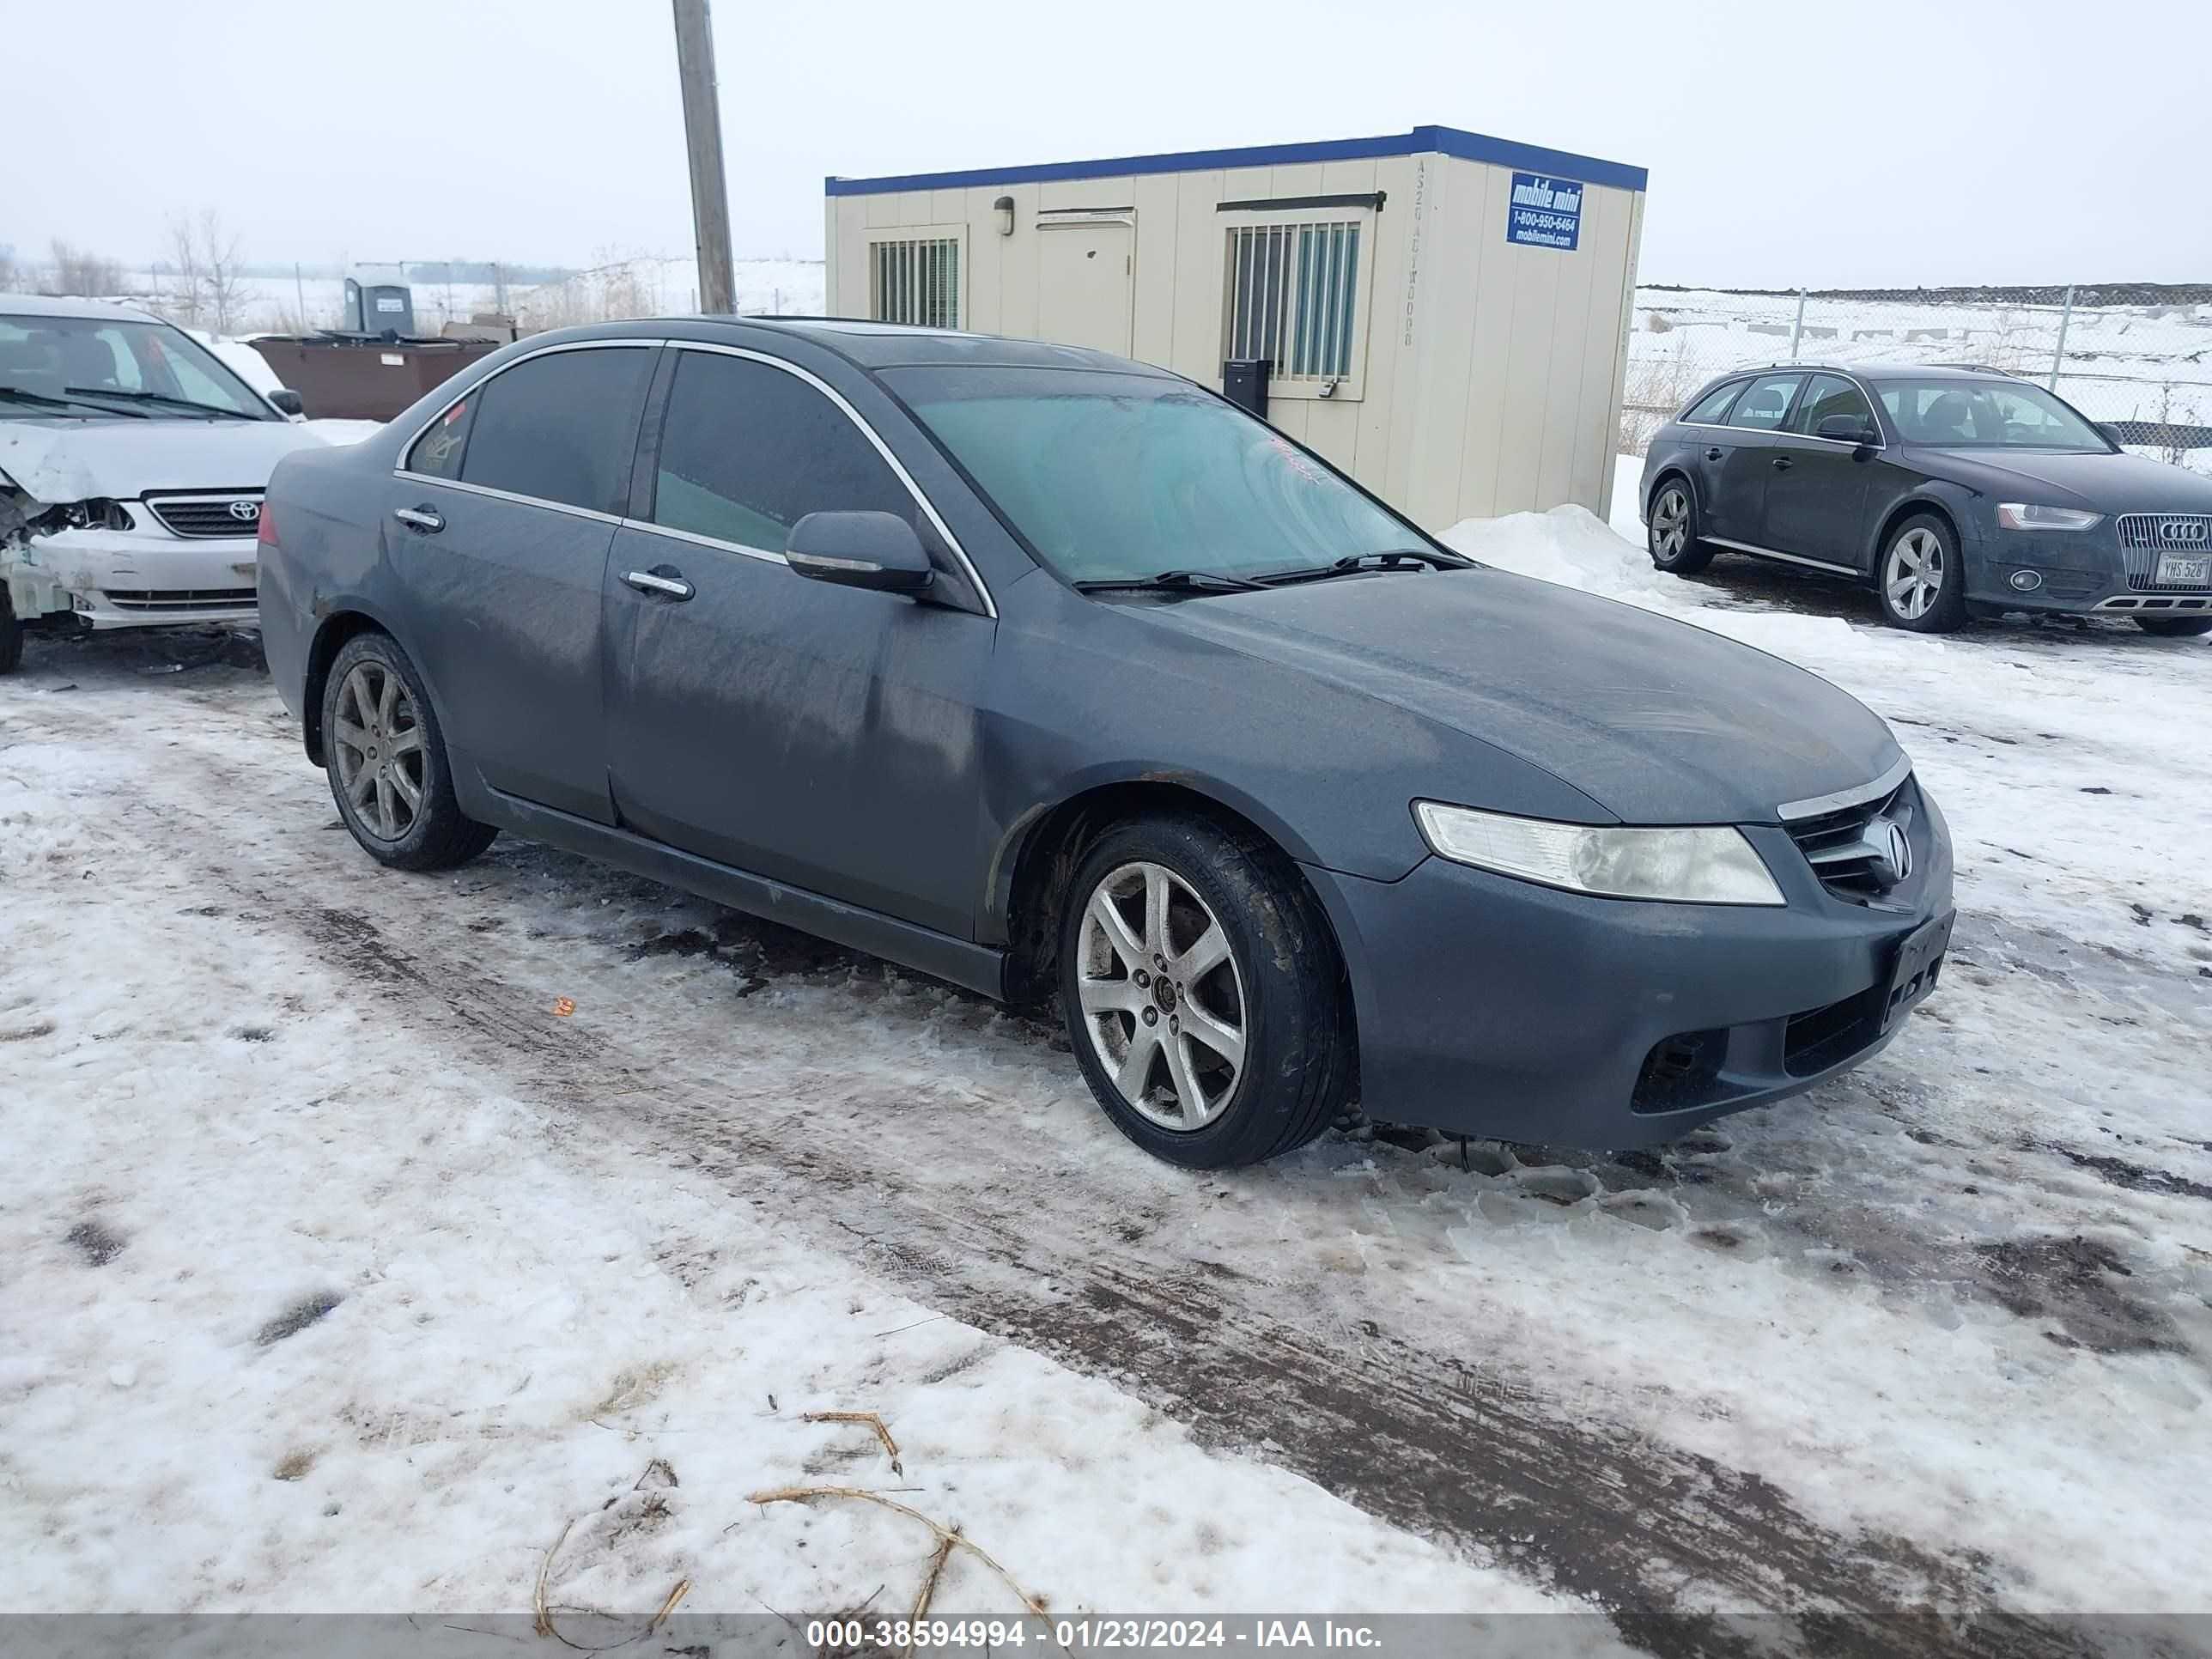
(1087, 266)
(498, 527)
(822, 736)
(1816, 487)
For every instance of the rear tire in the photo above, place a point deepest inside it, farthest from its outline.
(2175, 627)
(1671, 535)
(1202, 994)
(1921, 579)
(385, 756)
(11, 636)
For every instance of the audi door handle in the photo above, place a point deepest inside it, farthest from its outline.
(1714, 453)
(428, 520)
(650, 582)
(1780, 463)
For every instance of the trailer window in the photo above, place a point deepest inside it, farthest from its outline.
(916, 279)
(1294, 297)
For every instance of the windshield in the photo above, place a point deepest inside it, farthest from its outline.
(78, 359)
(1986, 415)
(1115, 478)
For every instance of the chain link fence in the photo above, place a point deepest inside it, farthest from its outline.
(2137, 354)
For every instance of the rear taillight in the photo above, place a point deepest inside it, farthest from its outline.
(264, 527)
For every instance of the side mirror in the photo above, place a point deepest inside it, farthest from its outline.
(2117, 438)
(285, 401)
(1845, 430)
(860, 550)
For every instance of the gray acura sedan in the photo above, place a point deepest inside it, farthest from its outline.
(1061, 678)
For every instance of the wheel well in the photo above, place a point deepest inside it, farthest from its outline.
(1044, 870)
(333, 634)
(1897, 515)
(1651, 489)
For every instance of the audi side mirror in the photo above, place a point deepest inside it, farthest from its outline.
(1847, 429)
(860, 550)
(285, 401)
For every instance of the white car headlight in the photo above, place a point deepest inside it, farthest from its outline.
(1696, 865)
(2027, 515)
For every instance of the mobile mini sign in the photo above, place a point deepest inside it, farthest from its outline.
(1545, 212)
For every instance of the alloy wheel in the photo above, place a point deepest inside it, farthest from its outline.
(1163, 999)
(1670, 522)
(378, 740)
(1913, 574)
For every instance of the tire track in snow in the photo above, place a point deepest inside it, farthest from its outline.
(1650, 1533)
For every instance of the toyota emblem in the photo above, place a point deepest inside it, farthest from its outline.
(245, 511)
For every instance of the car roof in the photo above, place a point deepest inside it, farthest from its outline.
(871, 345)
(67, 305)
(1879, 371)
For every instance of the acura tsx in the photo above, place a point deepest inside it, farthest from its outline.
(1061, 678)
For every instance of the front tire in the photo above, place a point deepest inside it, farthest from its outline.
(2175, 627)
(11, 636)
(1202, 994)
(1671, 536)
(386, 761)
(1922, 578)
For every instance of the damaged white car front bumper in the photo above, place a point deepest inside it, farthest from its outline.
(143, 576)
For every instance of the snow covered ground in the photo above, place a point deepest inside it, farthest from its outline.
(339, 1270)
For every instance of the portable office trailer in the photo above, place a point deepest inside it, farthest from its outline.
(1445, 315)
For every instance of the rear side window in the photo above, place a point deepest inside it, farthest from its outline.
(562, 427)
(437, 453)
(1765, 402)
(747, 451)
(1712, 408)
(1828, 396)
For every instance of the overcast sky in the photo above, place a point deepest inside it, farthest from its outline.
(1853, 143)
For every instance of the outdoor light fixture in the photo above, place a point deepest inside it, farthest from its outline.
(1005, 208)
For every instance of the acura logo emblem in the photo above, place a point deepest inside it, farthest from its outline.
(2183, 529)
(1895, 862)
(244, 510)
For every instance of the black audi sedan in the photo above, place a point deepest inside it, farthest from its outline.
(1955, 492)
(1060, 678)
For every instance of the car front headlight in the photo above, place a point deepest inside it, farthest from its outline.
(2027, 515)
(1706, 864)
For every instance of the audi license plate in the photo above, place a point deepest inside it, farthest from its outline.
(2184, 570)
(1919, 960)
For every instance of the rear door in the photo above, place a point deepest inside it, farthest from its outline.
(503, 512)
(818, 735)
(1700, 439)
(1739, 491)
(1816, 487)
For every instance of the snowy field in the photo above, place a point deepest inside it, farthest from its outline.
(339, 1269)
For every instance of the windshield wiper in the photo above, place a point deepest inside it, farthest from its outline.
(1173, 581)
(44, 401)
(156, 397)
(1397, 558)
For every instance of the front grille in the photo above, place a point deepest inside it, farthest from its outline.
(1836, 844)
(205, 515)
(2142, 539)
(180, 599)
(1822, 1037)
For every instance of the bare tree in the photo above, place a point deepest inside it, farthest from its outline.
(81, 272)
(185, 305)
(11, 272)
(204, 257)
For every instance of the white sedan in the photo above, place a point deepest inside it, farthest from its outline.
(132, 461)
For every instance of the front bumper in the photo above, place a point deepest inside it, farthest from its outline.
(2072, 574)
(105, 578)
(1492, 1006)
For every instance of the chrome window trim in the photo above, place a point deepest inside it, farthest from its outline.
(592, 512)
(401, 470)
(1865, 391)
(898, 469)
(1816, 805)
(698, 540)
(1787, 558)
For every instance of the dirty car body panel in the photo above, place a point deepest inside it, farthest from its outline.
(875, 768)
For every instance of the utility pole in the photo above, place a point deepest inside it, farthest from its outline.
(702, 137)
(2058, 357)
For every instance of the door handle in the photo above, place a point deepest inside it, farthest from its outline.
(653, 582)
(1714, 453)
(427, 519)
(1780, 464)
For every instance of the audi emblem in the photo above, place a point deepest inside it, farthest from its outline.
(2193, 532)
(245, 511)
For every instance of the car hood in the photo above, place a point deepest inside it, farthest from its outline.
(60, 462)
(2097, 482)
(1655, 721)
